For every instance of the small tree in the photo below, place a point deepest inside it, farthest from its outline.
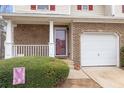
(122, 56)
(2, 37)
(2, 24)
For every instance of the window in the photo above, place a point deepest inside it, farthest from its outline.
(43, 7)
(6, 8)
(85, 7)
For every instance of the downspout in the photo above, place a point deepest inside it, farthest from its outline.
(113, 10)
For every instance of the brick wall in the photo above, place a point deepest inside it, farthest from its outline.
(31, 34)
(70, 42)
(79, 28)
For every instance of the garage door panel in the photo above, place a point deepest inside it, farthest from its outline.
(98, 49)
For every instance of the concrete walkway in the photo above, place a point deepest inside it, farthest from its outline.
(78, 79)
(108, 77)
(75, 74)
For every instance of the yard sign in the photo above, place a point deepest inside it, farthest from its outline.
(18, 75)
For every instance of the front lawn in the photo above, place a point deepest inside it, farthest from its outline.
(40, 71)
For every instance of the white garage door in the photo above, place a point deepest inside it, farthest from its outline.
(99, 49)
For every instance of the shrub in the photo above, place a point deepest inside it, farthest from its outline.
(122, 56)
(40, 71)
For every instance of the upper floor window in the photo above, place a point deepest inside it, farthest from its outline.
(43, 7)
(6, 8)
(85, 7)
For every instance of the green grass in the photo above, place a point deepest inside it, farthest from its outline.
(40, 71)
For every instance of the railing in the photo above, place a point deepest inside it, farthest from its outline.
(30, 50)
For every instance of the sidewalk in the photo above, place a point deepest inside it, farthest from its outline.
(78, 79)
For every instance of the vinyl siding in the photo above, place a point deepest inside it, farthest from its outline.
(60, 9)
(118, 11)
(97, 11)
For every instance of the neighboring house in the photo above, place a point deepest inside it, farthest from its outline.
(90, 35)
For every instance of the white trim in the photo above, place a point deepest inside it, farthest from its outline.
(51, 31)
(72, 41)
(9, 15)
(14, 10)
(63, 28)
(112, 33)
(81, 49)
(67, 18)
(118, 50)
(69, 10)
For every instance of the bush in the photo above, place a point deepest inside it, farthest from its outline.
(122, 56)
(40, 71)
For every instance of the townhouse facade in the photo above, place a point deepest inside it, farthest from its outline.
(90, 35)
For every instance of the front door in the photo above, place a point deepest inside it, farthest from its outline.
(61, 41)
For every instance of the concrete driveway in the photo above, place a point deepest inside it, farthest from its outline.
(108, 77)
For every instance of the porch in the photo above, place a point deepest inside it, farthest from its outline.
(46, 39)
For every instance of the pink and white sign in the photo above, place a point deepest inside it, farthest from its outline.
(18, 75)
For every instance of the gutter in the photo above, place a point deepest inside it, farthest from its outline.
(4, 15)
(93, 19)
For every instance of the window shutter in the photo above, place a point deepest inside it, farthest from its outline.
(122, 8)
(33, 7)
(90, 7)
(79, 7)
(52, 7)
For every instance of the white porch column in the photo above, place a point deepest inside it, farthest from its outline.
(51, 40)
(9, 40)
